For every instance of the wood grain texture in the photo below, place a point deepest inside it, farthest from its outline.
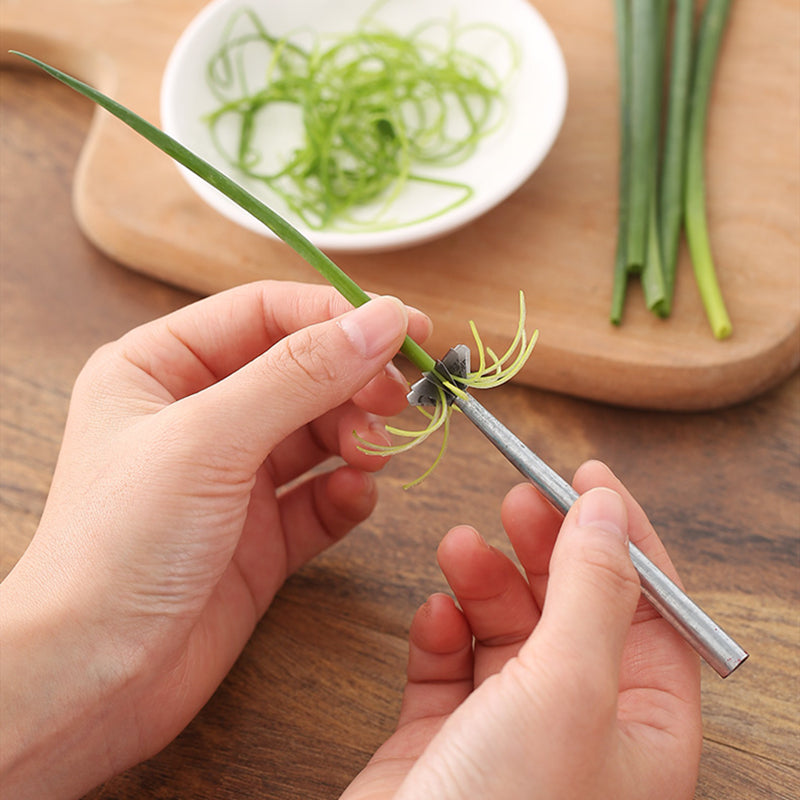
(554, 238)
(318, 687)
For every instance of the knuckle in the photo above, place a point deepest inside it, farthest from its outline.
(97, 374)
(99, 361)
(612, 567)
(305, 358)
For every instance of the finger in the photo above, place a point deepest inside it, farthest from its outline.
(439, 661)
(661, 658)
(532, 525)
(439, 680)
(494, 596)
(385, 394)
(642, 533)
(320, 511)
(340, 432)
(302, 377)
(592, 593)
(198, 345)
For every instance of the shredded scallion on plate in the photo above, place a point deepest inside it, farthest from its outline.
(372, 109)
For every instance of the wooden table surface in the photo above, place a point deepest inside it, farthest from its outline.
(318, 687)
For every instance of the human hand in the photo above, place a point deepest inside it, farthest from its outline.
(574, 687)
(175, 514)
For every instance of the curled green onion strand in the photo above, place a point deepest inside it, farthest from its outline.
(503, 368)
(438, 419)
(374, 106)
(491, 372)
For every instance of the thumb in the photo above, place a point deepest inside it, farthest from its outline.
(593, 588)
(302, 376)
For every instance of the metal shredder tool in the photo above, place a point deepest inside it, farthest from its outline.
(715, 646)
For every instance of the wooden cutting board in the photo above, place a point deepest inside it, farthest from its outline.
(554, 238)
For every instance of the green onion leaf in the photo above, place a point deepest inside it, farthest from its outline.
(283, 229)
(497, 372)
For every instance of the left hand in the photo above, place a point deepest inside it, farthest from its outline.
(177, 510)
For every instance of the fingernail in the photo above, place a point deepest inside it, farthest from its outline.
(371, 328)
(420, 317)
(480, 541)
(377, 433)
(395, 375)
(604, 509)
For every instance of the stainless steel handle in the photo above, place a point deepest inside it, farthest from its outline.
(718, 649)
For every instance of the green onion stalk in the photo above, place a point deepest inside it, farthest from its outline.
(640, 30)
(671, 193)
(643, 72)
(493, 369)
(277, 224)
(662, 187)
(622, 23)
(653, 268)
(708, 42)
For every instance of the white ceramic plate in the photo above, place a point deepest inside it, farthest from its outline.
(505, 159)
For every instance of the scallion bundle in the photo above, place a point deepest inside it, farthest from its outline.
(661, 180)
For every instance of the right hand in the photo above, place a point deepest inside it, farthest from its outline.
(574, 687)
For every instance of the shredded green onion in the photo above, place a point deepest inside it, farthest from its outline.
(374, 107)
(499, 371)
(439, 418)
(489, 374)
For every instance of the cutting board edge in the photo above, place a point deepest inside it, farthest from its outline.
(658, 387)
